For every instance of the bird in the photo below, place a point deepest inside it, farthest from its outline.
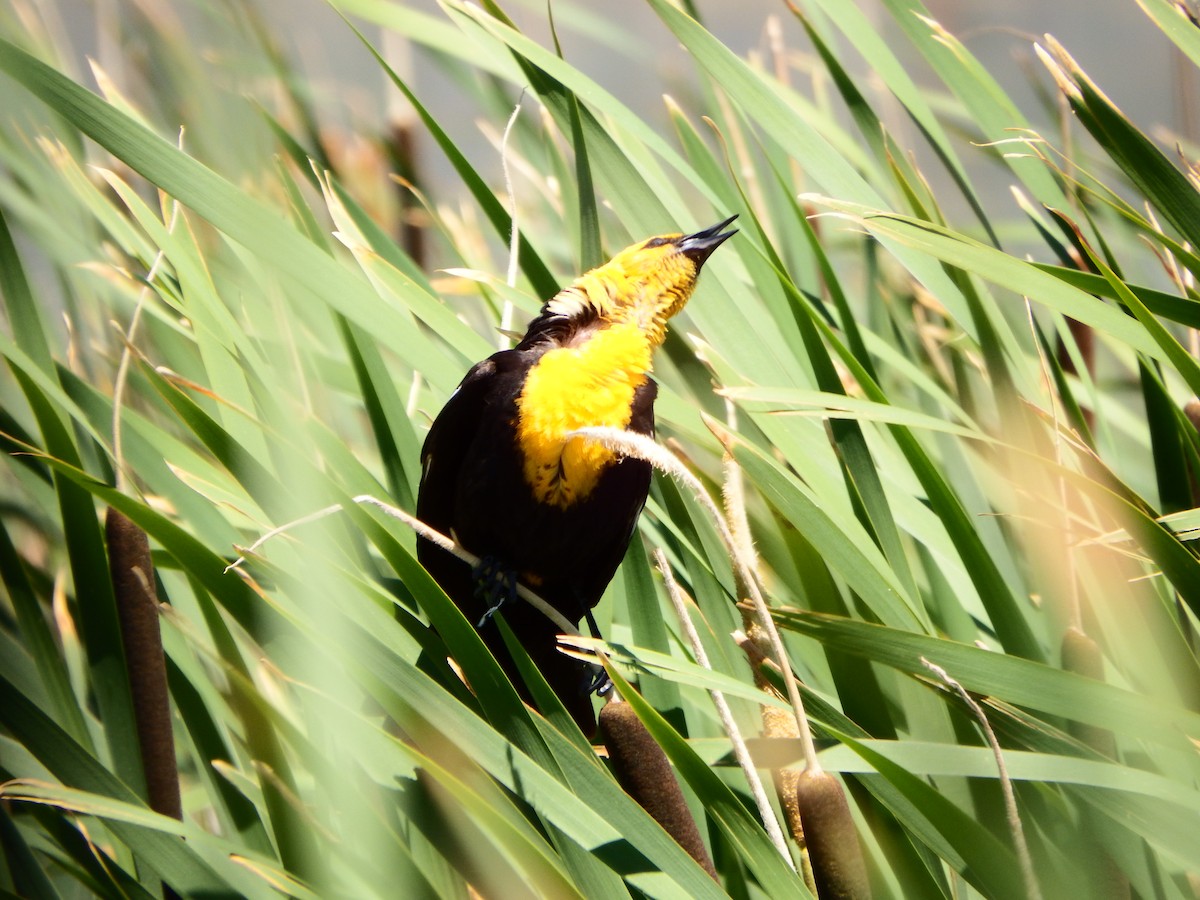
(501, 476)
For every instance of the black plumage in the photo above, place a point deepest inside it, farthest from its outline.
(473, 488)
(503, 475)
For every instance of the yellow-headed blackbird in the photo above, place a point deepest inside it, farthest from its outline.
(555, 513)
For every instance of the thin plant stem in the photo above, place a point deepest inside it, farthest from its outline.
(122, 376)
(1074, 609)
(645, 448)
(740, 750)
(514, 238)
(1032, 890)
(430, 534)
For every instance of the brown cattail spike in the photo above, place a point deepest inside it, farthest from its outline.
(137, 605)
(645, 774)
(403, 152)
(1191, 409)
(837, 861)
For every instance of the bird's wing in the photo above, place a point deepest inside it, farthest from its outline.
(619, 500)
(641, 417)
(642, 421)
(446, 446)
(444, 459)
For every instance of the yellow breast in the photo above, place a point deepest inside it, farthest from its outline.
(574, 387)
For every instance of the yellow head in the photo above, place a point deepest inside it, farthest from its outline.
(645, 284)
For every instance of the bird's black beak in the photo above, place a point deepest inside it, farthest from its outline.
(699, 246)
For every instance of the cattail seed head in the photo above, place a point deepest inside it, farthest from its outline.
(132, 575)
(832, 840)
(645, 774)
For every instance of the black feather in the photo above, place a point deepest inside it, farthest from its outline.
(473, 486)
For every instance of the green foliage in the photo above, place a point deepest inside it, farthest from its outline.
(960, 435)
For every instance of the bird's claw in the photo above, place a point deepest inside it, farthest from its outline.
(598, 682)
(494, 584)
(487, 616)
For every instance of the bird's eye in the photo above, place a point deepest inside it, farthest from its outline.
(657, 242)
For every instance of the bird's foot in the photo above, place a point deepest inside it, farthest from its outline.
(597, 681)
(495, 585)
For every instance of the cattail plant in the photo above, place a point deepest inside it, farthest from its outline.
(132, 575)
(642, 769)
